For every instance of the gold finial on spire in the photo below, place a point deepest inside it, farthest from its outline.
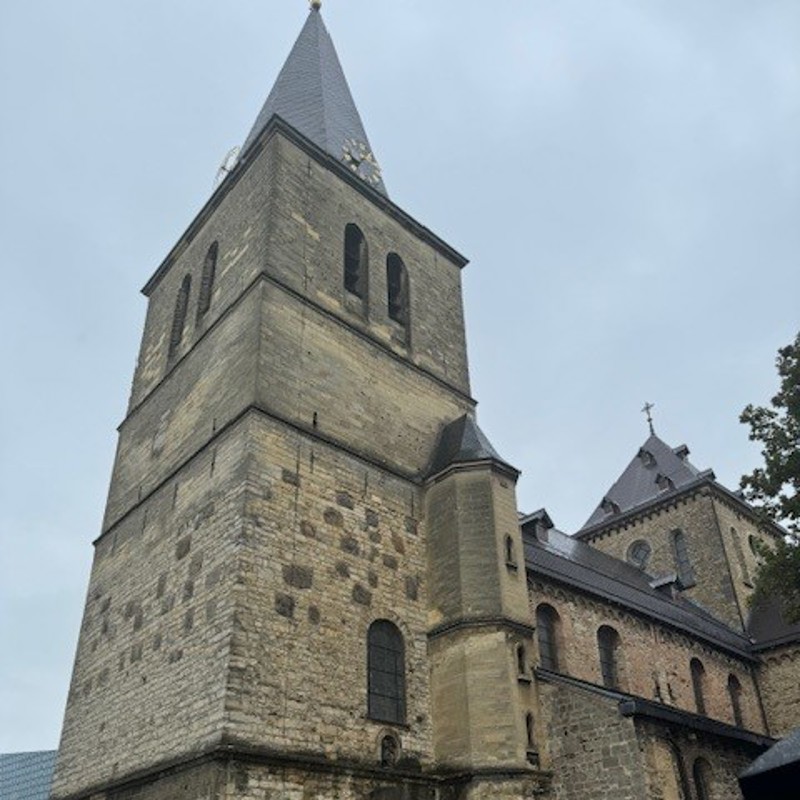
(316, 4)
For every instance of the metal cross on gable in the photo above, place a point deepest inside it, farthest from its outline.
(648, 408)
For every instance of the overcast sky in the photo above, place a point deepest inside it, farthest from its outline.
(624, 176)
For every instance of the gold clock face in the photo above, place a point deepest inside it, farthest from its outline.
(359, 158)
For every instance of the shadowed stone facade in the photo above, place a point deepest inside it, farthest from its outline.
(299, 463)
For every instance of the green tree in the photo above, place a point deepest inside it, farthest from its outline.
(775, 488)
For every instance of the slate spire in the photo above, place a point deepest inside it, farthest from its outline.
(312, 95)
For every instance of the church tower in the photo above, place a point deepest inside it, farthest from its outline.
(310, 579)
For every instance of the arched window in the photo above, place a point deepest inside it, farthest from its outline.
(608, 643)
(680, 770)
(207, 280)
(701, 774)
(179, 317)
(397, 289)
(355, 261)
(639, 553)
(735, 693)
(739, 550)
(683, 566)
(386, 678)
(698, 684)
(547, 624)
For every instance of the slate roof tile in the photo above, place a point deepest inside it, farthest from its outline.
(312, 95)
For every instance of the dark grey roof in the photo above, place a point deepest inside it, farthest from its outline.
(781, 754)
(768, 628)
(312, 95)
(656, 470)
(26, 776)
(462, 441)
(574, 563)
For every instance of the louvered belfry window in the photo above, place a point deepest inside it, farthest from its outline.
(386, 692)
(207, 280)
(179, 317)
(397, 289)
(355, 261)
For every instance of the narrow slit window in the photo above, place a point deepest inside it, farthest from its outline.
(739, 550)
(397, 289)
(530, 732)
(522, 661)
(683, 565)
(511, 560)
(179, 317)
(207, 280)
(386, 690)
(355, 261)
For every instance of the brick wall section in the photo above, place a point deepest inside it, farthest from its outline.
(654, 660)
(779, 677)
(695, 515)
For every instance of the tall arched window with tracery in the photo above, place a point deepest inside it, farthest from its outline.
(386, 673)
(179, 316)
(207, 280)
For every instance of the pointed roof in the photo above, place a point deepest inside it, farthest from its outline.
(656, 470)
(463, 442)
(312, 95)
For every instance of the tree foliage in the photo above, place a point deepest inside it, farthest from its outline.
(775, 488)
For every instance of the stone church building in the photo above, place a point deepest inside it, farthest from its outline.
(313, 580)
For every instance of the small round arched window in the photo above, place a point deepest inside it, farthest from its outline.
(639, 553)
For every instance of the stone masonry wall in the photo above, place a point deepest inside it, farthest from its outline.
(324, 377)
(329, 545)
(149, 679)
(654, 660)
(239, 223)
(204, 392)
(312, 206)
(779, 677)
(695, 515)
(671, 753)
(592, 751)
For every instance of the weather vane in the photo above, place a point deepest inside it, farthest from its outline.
(648, 407)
